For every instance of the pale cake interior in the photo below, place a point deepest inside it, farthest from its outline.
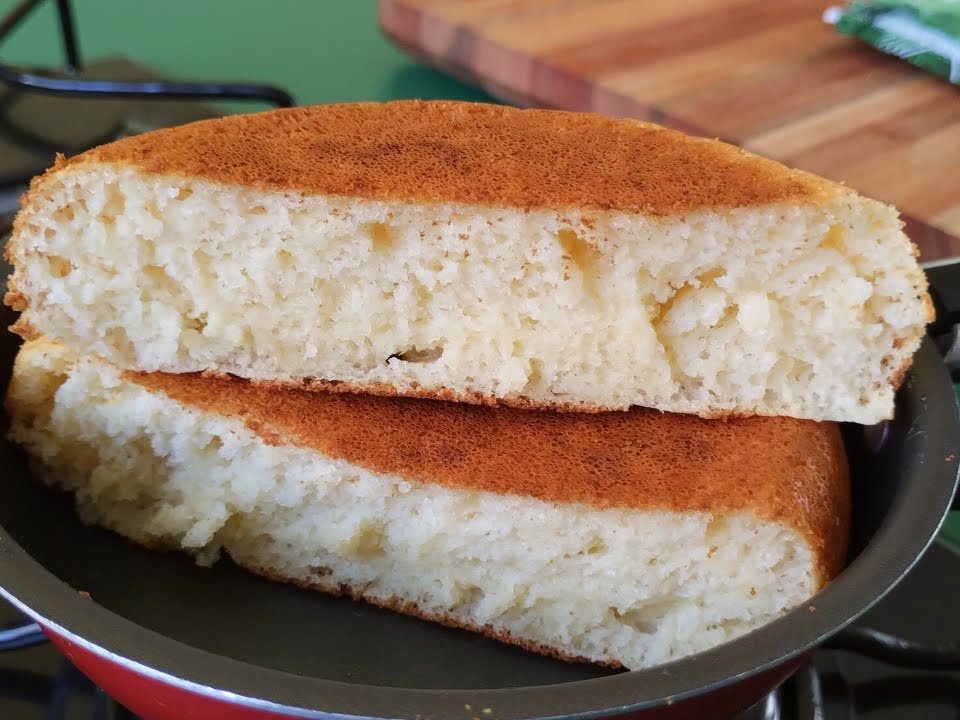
(801, 309)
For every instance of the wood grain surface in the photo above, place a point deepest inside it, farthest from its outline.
(766, 74)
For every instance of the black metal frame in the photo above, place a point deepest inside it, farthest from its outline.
(894, 650)
(151, 89)
(22, 635)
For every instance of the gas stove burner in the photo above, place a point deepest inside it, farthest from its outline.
(74, 84)
(104, 100)
(31, 125)
(33, 131)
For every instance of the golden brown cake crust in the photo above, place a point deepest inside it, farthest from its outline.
(781, 469)
(469, 153)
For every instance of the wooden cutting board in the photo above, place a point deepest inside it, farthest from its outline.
(766, 74)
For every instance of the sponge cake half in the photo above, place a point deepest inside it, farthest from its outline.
(475, 253)
(628, 538)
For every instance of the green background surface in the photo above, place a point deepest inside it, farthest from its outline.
(319, 50)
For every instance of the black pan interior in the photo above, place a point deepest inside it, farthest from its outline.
(232, 614)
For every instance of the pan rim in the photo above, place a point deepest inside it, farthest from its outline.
(908, 529)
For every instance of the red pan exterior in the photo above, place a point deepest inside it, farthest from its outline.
(149, 698)
(153, 699)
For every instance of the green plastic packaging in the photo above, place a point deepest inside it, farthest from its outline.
(923, 32)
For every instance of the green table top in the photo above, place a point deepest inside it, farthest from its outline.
(319, 50)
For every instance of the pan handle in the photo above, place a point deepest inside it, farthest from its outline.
(895, 650)
(944, 291)
(949, 344)
(21, 635)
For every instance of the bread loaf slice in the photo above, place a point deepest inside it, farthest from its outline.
(475, 253)
(626, 538)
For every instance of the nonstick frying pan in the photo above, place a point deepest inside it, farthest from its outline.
(172, 641)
